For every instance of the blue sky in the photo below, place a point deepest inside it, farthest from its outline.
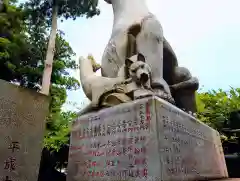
(203, 33)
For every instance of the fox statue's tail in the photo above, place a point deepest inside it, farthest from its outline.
(88, 67)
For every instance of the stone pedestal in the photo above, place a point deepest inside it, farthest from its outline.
(22, 122)
(148, 139)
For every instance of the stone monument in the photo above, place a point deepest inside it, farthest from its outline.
(147, 139)
(135, 127)
(22, 118)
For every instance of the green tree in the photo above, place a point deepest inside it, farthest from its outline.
(216, 107)
(50, 10)
(59, 135)
(14, 46)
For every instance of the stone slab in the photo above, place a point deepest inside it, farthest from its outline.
(22, 123)
(148, 139)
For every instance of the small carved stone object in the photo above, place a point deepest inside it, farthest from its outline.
(137, 70)
(137, 75)
(140, 73)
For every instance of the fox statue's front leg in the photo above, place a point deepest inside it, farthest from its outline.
(150, 43)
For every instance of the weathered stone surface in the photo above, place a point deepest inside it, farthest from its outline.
(148, 139)
(147, 38)
(22, 122)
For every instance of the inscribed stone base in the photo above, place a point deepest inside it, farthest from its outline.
(148, 139)
(22, 121)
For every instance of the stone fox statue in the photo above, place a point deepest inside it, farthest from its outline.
(136, 30)
(105, 91)
(95, 86)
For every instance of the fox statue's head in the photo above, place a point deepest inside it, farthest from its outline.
(138, 70)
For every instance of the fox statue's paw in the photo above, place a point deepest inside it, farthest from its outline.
(161, 89)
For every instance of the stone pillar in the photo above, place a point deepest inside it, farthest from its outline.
(22, 123)
(148, 139)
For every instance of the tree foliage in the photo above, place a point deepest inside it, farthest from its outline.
(59, 134)
(221, 110)
(49, 11)
(23, 47)
(216, 107)
(66, 8)
(14, 48)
